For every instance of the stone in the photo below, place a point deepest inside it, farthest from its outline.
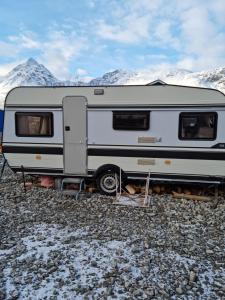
(94, 263)
(14, 294)
(192, 277)
(179, 290)
(138, 293)
(94, 245)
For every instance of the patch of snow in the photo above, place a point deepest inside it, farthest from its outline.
(68, 262)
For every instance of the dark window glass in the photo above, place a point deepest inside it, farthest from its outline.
(198, 126)
(131, 120)
(34, 124)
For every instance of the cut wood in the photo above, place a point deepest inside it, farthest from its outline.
(187, 192)
(191, 197)
(130, 189)
(137, 189)
(156, 189)
(162, 188)
(91, 189)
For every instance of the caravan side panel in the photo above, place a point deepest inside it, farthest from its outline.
(33, 152)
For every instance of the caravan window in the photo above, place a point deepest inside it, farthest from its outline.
(131, 120)
(34, 124)
(198, 126)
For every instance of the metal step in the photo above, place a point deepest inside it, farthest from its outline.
(68, 180)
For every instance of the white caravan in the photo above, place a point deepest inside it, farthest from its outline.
(175, 132)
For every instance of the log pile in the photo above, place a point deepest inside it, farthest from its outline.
(189, 192)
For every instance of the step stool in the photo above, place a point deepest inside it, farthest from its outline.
(79, 181)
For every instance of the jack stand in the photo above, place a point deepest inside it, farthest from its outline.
(23, 176)
(138, 200)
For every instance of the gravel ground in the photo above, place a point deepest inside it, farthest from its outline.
(54, 247)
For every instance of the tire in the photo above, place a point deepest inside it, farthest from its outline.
(107, 181)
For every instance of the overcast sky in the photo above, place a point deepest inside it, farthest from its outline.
(90, 37)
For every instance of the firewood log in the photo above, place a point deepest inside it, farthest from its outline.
(130, 189)
(190, 197)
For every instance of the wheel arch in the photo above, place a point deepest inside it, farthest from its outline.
(109, 167)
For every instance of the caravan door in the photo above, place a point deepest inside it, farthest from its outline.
(75, 135)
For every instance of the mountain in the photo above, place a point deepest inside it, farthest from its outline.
(119, 77)
(31, 73)
(26, 74)
(212, 78)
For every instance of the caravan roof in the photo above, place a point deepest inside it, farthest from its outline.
(168, 95)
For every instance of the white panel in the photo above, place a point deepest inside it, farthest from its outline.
(164, 124)
(35, 160)
(177, 166)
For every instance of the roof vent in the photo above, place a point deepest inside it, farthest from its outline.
(156, 82)
(98, 92)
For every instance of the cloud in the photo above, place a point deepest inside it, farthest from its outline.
(26, 40)
(55, 50)
(202, 40)
(129, 22)
(192, 32)
(134, 29)
(8, 49)
(81, 72)
(217, 7)
(59, 49)
(164, 37)
(128, 34)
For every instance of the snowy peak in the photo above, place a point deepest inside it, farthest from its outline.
(30, 73)
(212, 75)
(115, 77)
(32, 61)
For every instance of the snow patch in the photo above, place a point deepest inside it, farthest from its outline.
(60, 261)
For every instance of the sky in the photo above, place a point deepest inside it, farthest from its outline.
(87, 38)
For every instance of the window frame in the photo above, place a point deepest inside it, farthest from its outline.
(120, 112)
(34, 114)
(195, 114)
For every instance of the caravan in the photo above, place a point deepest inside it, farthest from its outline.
(176, 132)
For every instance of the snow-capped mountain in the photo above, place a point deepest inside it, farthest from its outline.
(118, 77)
(31, 73)
(213, 78)
(26, 74)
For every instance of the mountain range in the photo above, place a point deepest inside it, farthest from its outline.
(31, 73)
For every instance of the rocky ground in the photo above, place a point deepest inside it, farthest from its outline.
(54, 247)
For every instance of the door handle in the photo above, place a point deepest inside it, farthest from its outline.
(67, 128)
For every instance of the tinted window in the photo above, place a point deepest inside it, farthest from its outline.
(131, 120)
(34, 124)
(198, 126)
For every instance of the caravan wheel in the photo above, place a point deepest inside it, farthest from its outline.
(107, 183)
